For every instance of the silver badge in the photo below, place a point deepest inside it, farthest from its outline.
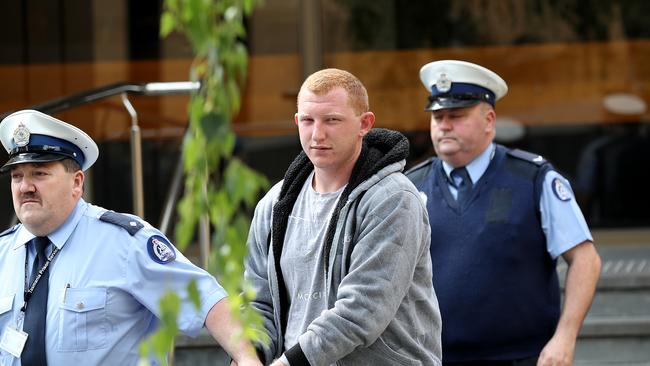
(21, 135)
(162, 251)
(561, 191)
(443, 84)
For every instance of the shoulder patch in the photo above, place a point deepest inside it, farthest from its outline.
(10, 230)
(126, 222)
(561, 191)
(527, 156)
(160, 250)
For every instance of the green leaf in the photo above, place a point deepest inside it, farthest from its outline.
(216, 183)
(213, 126)
(167, 24)
(194, 295)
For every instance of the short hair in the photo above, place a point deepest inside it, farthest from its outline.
(321, 82)
(70, 165)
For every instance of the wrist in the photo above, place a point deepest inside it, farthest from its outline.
(296, 356)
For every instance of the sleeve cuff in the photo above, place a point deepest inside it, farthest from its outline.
(296, 356)
(207, 303)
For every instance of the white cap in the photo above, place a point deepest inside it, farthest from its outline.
(459, 84)
(30, 136)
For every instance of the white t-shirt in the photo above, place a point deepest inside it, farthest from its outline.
(302, 260)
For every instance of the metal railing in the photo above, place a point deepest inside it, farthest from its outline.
(124, 89)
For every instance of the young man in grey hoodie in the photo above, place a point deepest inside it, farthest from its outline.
(339, 249)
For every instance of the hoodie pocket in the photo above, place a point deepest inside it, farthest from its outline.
(377, 354)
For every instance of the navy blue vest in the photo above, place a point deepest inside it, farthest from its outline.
(495, 281)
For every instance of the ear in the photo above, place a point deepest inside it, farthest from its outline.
(367, 122)
(295, 118)
(490, 119)
(78, 183)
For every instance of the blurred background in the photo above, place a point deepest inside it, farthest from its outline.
(578, 73)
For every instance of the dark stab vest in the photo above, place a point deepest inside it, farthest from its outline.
(496, 283)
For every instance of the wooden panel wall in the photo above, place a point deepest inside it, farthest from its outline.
(550, 84)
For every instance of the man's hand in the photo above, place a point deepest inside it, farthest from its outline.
(580, 285)
(275, 363)
(247, 362)
(558, 352)
(223, 329)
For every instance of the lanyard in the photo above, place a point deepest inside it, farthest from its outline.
(28, 291)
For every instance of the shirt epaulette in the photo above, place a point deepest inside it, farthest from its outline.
(10, 230)
(527, 156)
(126, 222)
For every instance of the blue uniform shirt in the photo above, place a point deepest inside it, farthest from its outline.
(104, 288)
(562, 221)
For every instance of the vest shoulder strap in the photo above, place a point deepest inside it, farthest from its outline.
(419, 172)
(527, 156)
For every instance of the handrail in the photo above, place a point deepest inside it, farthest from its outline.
(137, 176)
(93, 95)
(123, 88)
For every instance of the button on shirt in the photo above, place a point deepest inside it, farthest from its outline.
(104, 290)
(562, 221)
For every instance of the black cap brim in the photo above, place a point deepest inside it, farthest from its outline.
(31, 157)
(450, 103)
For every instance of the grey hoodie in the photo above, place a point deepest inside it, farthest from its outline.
(382, 309)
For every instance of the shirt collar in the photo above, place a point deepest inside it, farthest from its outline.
(59, 236)
(476, 167)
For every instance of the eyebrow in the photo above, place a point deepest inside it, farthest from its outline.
(326, 115)
(450, 111)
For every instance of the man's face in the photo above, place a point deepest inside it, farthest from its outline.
(330, 130)
(44, 195)
(459, 135)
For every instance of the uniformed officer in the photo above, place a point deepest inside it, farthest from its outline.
(81, 284)
(499, 220)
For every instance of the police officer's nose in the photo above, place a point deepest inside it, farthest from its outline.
(26, 185)
(443, 123)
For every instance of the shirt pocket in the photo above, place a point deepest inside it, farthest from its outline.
(501, 205)
(6, 304)
(83, 323)
(6, 318)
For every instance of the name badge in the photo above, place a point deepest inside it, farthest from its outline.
(13, 341)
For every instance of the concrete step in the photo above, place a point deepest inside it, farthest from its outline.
(617, 328)
(613, 351)
(199, 351)
(623, 267)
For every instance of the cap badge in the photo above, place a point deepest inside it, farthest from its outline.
(21, 135)
(443, 84)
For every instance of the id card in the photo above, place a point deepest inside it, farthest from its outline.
(13, 341)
